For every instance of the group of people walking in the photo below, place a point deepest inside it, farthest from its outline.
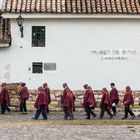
(109, 101)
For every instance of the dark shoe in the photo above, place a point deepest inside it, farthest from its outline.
(71, 119)
(133, 117)
(34, 118)
(45, 119)
(124, 118)
(87, 118)
(95, 116)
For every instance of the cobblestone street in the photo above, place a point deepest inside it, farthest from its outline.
(69, 132)
(21, 127)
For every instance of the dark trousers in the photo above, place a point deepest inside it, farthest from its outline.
(105, 109)
(4, 107)
(114, 109)
(23, 107)
(128, 110)
(48, 110)
(90, 111)
(68, 113)
(42, 110)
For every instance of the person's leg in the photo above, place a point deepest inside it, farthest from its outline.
(114, 110)
(21, 105)
(102, 113)
(37, 114)
(66, 114)
(130, 112)
(24, 106)
(71, 115)
(126, 113)
(88, 112)
(48, 111)
(44, 112)
(7, 107)
(92, 112)
(3, 108)
(108, 111)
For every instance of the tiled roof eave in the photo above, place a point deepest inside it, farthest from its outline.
(72, 6)
(72, 15)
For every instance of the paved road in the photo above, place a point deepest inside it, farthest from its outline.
(21, 127)
(56, 116)
(69, 132)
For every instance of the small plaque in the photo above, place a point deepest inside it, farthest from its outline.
(49, 66)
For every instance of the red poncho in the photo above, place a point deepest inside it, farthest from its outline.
(128, 99)
(89, 99)
(105, 101)
(47, 91)
(41, 100)
(68, 99)
(24, 94)
(114, 96)
(4, 96)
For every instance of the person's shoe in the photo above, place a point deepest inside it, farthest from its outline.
(133, 117)
(101, 118)
(114, 114)
(34, 118)
(87, 118)
(45, 119)
(71, 119)
(94, 116)
(124, 118)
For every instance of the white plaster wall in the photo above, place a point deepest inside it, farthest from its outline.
(69, 44)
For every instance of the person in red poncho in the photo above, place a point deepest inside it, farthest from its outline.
(105, 104)
(24, 96)
(114, 97)
(89, 101)
(67, 101)
(4, 99)
(127, 101)
(47, 91)
(41, 104)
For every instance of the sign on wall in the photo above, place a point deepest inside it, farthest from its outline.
(114, 54)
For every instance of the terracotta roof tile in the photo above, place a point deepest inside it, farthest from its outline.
(72, 6)
(5, 35)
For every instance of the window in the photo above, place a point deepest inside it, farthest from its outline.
(38, 36)
(37, 67)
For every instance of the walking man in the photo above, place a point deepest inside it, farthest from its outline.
(67, 101)
(127, 101)
(114, 97)
(105, 104)
(24, 96)
(47, 91)
(4, 99)
(41, 104)
(89, 101)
